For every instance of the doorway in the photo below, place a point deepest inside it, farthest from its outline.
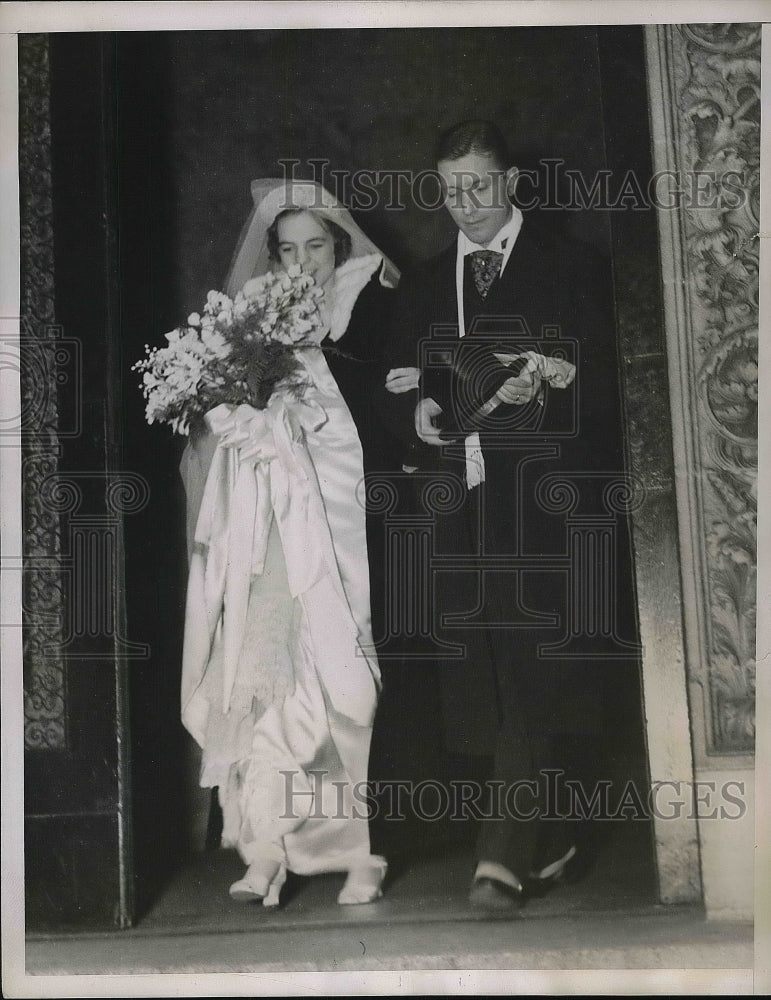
(197, 119)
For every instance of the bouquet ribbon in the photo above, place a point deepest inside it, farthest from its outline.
(262, 469)
(558, 372)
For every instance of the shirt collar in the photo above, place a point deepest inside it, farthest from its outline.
(503, 241)
(508, 232)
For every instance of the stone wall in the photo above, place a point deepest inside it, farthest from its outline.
(705, 113)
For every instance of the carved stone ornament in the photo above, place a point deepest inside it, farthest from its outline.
(717, 82)
(43, 595)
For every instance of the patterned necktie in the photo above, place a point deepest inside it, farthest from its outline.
(485, 268)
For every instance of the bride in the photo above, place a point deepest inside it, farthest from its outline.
(285, 724)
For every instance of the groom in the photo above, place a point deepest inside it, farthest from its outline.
(504, 288)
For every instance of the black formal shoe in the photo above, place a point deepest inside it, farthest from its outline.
(570, 868)
(495, 896)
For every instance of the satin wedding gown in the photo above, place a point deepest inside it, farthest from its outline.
(280, 680)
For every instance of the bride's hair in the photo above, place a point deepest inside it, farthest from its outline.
(339, 235)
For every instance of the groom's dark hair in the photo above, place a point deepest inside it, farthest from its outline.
(474, 136)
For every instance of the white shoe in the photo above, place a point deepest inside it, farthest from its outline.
(261, 883)
(275, 888)
(244, 891)
(364, 882)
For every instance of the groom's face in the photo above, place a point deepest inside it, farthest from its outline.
(476, 194)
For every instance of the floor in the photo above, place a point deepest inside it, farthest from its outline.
(428, 889)
(607, 920)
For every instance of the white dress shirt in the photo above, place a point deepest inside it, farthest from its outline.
(503, 242)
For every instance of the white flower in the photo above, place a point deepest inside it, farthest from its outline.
(216, 302)
(215, 343)
(205, 359)
(303, 326)
(253, 285)
(189, 341)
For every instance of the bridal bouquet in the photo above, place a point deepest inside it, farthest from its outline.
(239, 350)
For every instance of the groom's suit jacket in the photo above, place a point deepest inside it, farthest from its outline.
(552, 298)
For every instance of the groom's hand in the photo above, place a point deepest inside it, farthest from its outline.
(402, 379)
(518, 390)
(425, 413)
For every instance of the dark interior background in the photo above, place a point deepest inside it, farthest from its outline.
(199, 115)
(224, 107)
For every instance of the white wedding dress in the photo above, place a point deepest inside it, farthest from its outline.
(280, 682)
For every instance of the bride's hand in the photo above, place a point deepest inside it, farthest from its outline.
(425, 413)
(402, 379)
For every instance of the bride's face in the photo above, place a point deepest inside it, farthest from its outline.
(303, 240)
